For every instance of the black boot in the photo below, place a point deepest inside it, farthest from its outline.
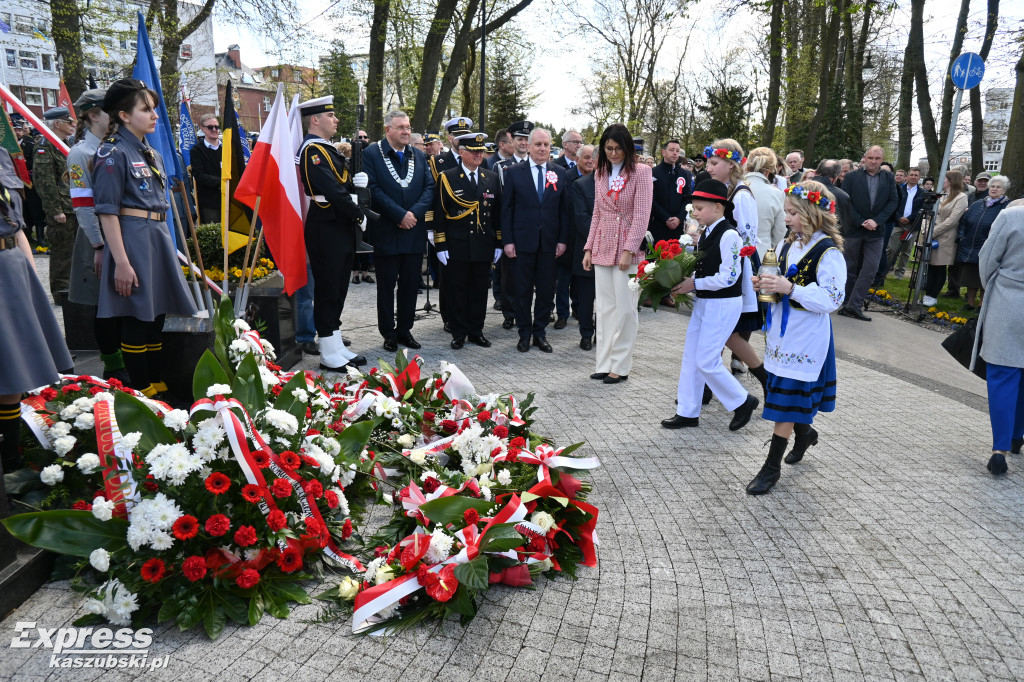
(805, 437)
(1016, 444)
(997, 464)
(707, 396)
(761, 374)
(10, 432)
(769, 474)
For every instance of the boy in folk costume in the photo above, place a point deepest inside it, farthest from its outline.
(716, 310)
(799, 353)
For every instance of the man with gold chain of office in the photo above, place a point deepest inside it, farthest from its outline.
(467, 236)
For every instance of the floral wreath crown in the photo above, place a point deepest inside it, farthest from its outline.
(710, 151)
(816, 198)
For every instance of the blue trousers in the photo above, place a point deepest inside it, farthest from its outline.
(305, 329)
(1005, 404)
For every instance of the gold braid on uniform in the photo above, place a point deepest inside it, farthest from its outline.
(469, 206)
(342, 176)
(433, 167)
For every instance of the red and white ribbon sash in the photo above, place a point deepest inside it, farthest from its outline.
(115, 460)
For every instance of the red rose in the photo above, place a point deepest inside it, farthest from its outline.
(290, 560)
(218, 525)
(186, 527)
(276, 520)
(471, 517)
(153, 570)
(449, 426)
(82, 505)
(217, 483)
(747, 251)
(245, 536)
(194, 568)
(252, 493)
(446, 584)
(48, 393)
(536, 545)
(428, 416)
(281, 488)
(248, 578)
(346, 530)
(289, 460)
(314, 489)
(261, 459)
(430, 485)
(332, 499)
(483, 416)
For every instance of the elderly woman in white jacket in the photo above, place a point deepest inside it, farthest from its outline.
(760, 177)
(1001, 332)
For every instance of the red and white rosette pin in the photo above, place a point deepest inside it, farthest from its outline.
(551, 180)
(618, 182)
(680, 184)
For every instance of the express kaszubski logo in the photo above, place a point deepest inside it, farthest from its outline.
(90, 647)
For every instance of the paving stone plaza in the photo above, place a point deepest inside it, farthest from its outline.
(889, 552)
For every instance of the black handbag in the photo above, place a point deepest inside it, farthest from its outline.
(960, 344)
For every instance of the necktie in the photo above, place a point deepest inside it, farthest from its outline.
(572, 164)
(472, 177)
(399, 155)
(540, 184)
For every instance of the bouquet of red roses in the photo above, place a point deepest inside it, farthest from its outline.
(667, 264)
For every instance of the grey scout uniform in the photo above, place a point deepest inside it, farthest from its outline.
(84, 287)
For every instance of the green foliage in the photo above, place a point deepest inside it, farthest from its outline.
(450, 509)
(208, 372)
(474, 574)
(508, 94)
(339, 80)
(248, 385)
(211, 246)
(133, 415)
(727, 110)
(68, 531)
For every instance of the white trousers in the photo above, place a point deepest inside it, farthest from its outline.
(711, 324)
(617, 318)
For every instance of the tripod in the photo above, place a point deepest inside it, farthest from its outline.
(922, 255)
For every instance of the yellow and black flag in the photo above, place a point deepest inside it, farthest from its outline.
(235, 215)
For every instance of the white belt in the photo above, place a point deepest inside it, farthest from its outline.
(320, 197)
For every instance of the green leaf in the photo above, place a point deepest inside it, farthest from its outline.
(21, 481)
(274, 602)
(668, 274)
(501, 538)
(208, 372)
(291, 592)
(450, 509)
(474, 575)
(133, 415)
(214, 620)
(462, 603)
(256, 608)
(353, 440)
(248, 386)
(169, 610)
(68, 531)
(286, 400)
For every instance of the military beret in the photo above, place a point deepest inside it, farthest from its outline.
(119, 90)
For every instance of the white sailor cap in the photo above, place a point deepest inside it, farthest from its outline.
(317, 106)
(459, 125)
(473, 142)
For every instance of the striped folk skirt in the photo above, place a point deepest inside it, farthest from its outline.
(792, 400)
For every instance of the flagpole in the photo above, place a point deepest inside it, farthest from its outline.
(248, 283)
(240, 297)
(199, 253)
(201, 304)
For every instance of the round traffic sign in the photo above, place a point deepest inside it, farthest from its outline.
(967, 71)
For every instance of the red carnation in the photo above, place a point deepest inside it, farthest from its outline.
(245, 536)
(261, 459)
(48, 393)
(428, 416)
(252, 493)
(248, 578)
(281, 488)
(536, 545)
(290, 560)
(431, 484)
(82, 505)
(217, 483)
(471, 517)
(747, 251)
(314, 489)
(438, 383)
(218, 525)
(314, 527)
(346, 530)
(95, 389)
(194, 568)
(276, 520)
(518, 442)
(449, 426)
(153, 570)
(150, 484)
(70, 388)
(276, 390)
(332, 499)
(185, 527)
(501, 431)
(289, 460)
(484, 416)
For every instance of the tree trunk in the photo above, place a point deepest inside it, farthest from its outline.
(67, 41)
(947, 84)
(172, 35)
(375, 69)
(977, 123)
(469, 102)
(398, 62)
(906, 110)
(827, 73)
(1013, 154)
(432, 50)
(915, 48)
(771, 112)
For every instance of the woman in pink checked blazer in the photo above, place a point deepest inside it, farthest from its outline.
(623, 191)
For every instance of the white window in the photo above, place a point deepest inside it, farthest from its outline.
(23, 24)
(51, 98)
(266, 104)
(275, 73)
(28, 60)
(47, 62)
(297, 77)
(12, 57)
(128, 44)
(33, 96)
(992, 165)
(6, 18)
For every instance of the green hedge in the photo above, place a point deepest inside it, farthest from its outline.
(211, 245)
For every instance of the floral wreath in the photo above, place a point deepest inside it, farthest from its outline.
(736, 157)
(816, 198)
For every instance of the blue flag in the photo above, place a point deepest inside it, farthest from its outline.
(161, 139)
(186, 134)
(246, 144)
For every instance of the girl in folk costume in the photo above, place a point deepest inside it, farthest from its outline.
(140, 281)
(716, 309)
(800, 354)
(622, 210)
(725, 161)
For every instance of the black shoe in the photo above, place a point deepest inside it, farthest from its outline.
(855, 314)
(677, 422)
(497, 306)
(615, 380)
(599, 376)
(800, 445)
(586, 344)
(480, 340)
(409, 342)
(456, 344)
(368, 279)
(391, 344)
(523, 346)
(743, 413)
(355, 279)
(560, 323)
(950, 294)
(968, 307)
(769, 474)
(508, 323)
(447, 328)
(706, 400)
(543, 344)
(357, 361)
(310, 348)
(1016, 445)
(997, 465)
(347, 341)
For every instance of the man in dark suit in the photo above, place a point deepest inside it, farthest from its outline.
(908, 223)
(571, 143)
(535, 227)
(581, 200)
(672, 185)
(519, 133)
(873, 198)
(827, 173)
(467, 236)
(403, 191)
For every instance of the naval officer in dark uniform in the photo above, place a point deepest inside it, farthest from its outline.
(334, 226)
(467, 236)
(520, 131)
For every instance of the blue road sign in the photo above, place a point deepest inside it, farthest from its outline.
(967, 71)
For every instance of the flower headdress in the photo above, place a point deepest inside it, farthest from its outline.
(710, 151)
(816, 198)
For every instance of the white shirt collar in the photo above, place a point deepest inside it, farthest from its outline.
(534, 164)
(467, 171)
(710, 228)
(207, 143)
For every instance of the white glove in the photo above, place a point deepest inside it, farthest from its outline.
(361, 180)
(443, 257)
(430, 237)
(362, 225)
(497, 255)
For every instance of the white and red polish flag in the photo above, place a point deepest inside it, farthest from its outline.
(270, 174)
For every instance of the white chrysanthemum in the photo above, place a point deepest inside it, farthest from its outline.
(84, 404)
(300, 394)
(371, 569)
(252, 554)
(161, 541)
(342, 502)
(85, 421)
(396, 423)
(70, 412)
(440, 546)
(330, 445)
(130, 441)
(283, 421)
(94, 606)
(52, 475)
(347, 475)
(469, 467)
(544, 520)
(102, 508)
(489, 444)
(238, 348)
(218, 389)
(59, 429)
(176, 419)
(63, 445)
(319, 401)
(387, 407)
(269, 378)
(103, 395)
(88, 463)
(504, 477)
(240, 325)
(125, 602)
(633, 285)
(485, 493)
(100, 560)
(650, 267)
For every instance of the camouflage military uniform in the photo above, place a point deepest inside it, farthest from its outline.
(49, 176)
